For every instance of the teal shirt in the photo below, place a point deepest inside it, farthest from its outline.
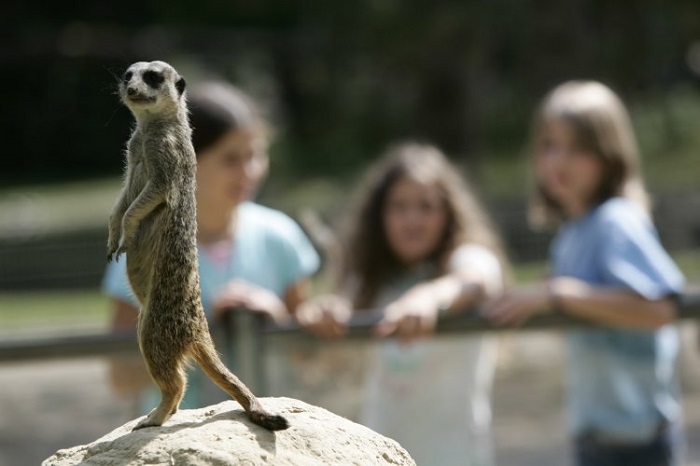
(270, 250)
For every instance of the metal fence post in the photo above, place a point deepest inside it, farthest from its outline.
(245, 347)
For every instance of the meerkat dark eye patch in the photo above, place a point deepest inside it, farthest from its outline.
(153, 78)
(128, 75)
(180, 85)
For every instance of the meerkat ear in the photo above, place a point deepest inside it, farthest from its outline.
(180, 85)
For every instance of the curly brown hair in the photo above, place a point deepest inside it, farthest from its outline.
(369, 261)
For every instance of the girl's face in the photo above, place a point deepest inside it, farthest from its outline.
(229, 171)
(567, 172)
(415, 218)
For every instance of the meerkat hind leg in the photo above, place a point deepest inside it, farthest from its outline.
(172, 388)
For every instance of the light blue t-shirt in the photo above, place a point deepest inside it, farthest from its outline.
(270, 250)
(623, 382)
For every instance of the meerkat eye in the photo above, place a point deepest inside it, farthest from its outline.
(128, 75)
(153, 78)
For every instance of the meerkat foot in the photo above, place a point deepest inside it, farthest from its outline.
(144, 424)
(268, 421)
(154, 419)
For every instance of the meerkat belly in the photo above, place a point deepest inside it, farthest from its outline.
(140, 264)
(175, 274)
(150, 232)
(175, 335)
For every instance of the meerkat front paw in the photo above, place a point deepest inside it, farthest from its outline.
(112, 247)
(120, 250)
(124, 245)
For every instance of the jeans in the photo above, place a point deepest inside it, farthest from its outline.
(663, 450)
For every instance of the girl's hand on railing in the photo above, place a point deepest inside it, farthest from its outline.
(239, 294)
(412, 316)
(515, 307)
(326, 316)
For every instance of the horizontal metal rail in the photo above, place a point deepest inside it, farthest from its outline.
(247, 332)
(361, 325)
(66, 347)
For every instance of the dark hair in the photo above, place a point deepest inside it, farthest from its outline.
(215, 108)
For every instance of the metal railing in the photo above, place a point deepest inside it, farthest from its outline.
(247, 332)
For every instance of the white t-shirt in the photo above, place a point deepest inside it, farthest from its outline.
(434, 396)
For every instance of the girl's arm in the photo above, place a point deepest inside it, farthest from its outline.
(458, 291)
(415, 313)
(474, 274)
(615, 307)
(325, 316)
(239, 294)
(296, 294)
(124, 315)
(608, 306)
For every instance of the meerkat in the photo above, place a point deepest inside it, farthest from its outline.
(155, 219)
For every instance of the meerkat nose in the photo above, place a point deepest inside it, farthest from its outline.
(131, 91)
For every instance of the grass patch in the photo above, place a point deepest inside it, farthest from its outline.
(689, 263)
(529, 272)
(55, 208)
(50, 309)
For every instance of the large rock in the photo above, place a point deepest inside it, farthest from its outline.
(222, 435)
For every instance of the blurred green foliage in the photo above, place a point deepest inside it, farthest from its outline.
(342, 79)
(38, 310)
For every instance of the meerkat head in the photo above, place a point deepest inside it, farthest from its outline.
(152, 87)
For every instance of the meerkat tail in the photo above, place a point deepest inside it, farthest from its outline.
(208, 359)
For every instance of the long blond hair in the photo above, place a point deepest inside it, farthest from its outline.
(601, 125)
(369, 261)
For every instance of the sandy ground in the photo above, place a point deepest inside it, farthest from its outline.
(48, 406)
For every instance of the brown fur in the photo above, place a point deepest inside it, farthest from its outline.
(155, 218)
